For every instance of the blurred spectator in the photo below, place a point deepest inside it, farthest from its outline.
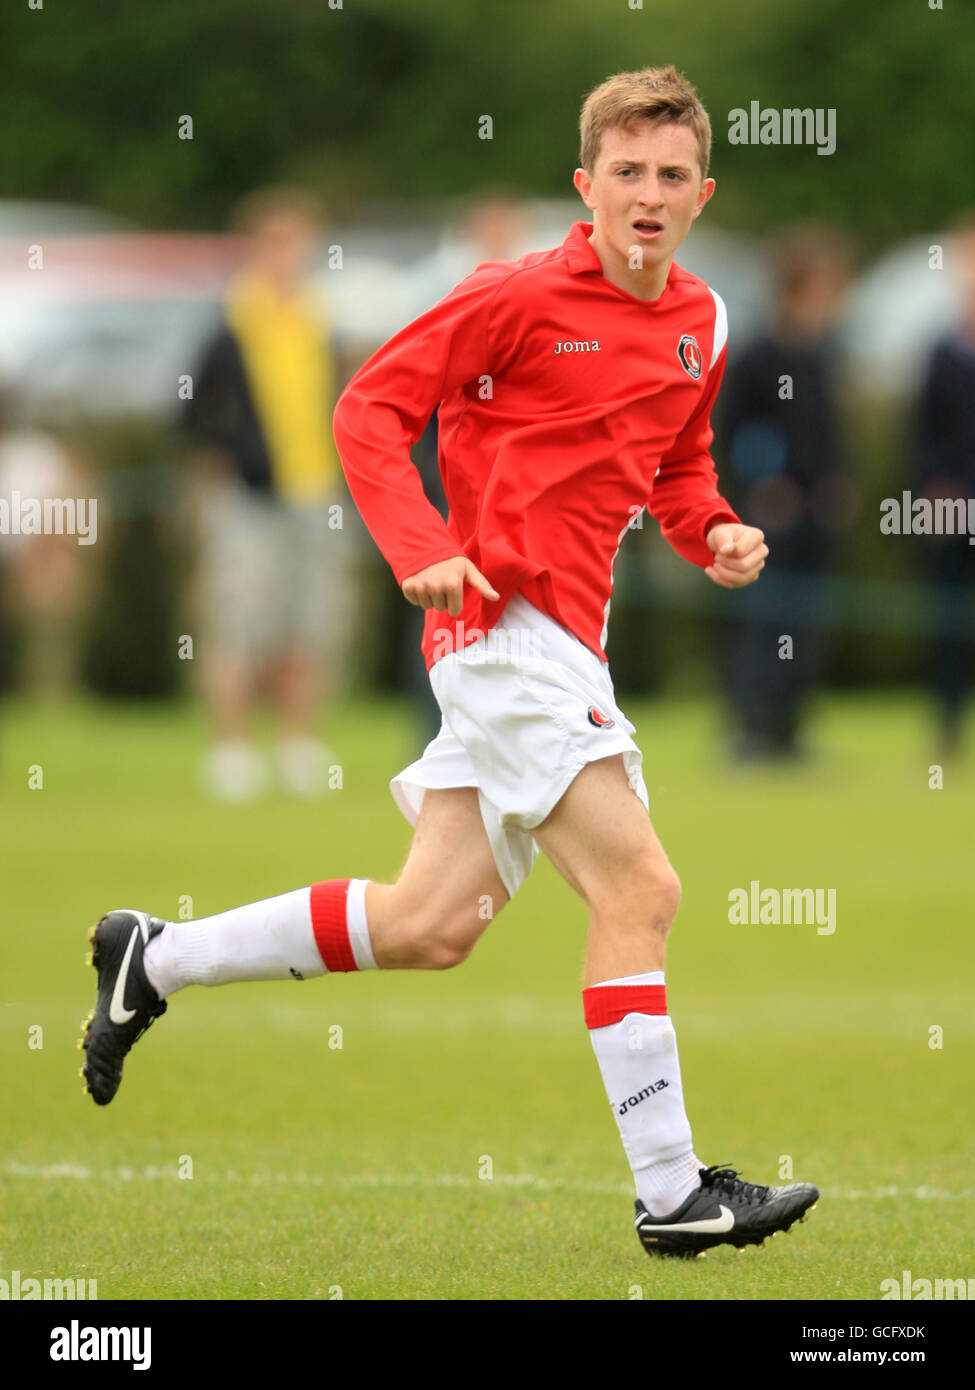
(944, 467)
(274, 548)
(44, 576)
(778, 421)
(492, 224)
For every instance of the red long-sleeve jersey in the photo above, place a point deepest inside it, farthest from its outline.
(566, 407)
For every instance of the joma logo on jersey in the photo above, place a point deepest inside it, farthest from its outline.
(690, 355)
(580, 345)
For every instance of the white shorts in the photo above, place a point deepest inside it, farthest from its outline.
(525, 708)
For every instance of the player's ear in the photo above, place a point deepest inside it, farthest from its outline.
(583, 186)
(704, 196)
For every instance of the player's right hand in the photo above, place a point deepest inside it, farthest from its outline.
(442, 585)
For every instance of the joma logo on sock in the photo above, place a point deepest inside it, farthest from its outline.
(629, 1103)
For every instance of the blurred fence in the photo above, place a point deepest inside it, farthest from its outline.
(665, 615)
(95, 346)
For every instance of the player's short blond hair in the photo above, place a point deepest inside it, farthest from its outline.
(652, 94)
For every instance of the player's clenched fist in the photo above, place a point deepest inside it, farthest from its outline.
(442, 585)
(740, 553)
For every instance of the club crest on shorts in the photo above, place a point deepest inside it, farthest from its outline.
(690, 355)
(598, 719)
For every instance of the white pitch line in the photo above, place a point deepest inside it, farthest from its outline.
(55, 1172)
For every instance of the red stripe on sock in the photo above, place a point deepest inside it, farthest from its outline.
(606, 1004)
(330, 924)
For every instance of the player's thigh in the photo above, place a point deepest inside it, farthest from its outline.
(450, 879)
(601, 839)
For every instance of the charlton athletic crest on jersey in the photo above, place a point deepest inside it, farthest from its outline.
(690, 355)
(598, 719)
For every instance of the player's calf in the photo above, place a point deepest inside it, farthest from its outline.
(448, 893)
(430, 919)
(435, 934)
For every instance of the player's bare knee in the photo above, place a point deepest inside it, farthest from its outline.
(663, 893)
(663, 886)
(653, 893)
(459, 931)
(643, 890)
(444, 944)
(447, 952)
(434, 939)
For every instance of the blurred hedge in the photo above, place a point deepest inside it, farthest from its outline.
(380, 99)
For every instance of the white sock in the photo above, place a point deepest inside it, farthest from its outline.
(312, 931)
(636, 1048)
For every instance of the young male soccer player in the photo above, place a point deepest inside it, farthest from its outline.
(575, 387)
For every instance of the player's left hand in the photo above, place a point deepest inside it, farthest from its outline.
(740, 553)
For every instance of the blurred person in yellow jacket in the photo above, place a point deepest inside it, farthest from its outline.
(273, 546)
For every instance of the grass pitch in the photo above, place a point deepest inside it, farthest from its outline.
(361, 1171)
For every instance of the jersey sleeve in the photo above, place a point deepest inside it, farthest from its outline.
(684, 495)
(386, 406)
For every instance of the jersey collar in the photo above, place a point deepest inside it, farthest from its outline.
(581, 258)
(579, 255)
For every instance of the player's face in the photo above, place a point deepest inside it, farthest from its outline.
(645, 191)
